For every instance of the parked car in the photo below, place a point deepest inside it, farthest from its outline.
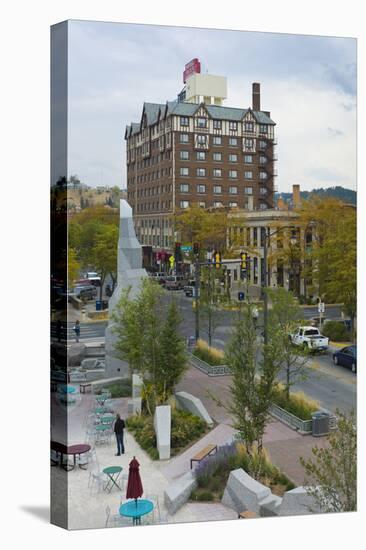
(347, 357)
(309, 338)
(175, 282)
(93, 278)
(189, 288)
(159, 277)
(85, 292)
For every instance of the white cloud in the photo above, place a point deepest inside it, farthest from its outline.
(308, 84)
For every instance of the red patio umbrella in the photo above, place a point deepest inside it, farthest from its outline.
(134, 485)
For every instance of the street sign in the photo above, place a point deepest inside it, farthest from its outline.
(186, 248)
(321, 307)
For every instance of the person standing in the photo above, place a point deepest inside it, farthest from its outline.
(119, 426)
(77, 330)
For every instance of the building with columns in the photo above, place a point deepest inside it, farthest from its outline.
(285, 247)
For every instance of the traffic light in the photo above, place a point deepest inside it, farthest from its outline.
(196, 248)
(217, 259)
(243, 261)
(177, 248)
(171, 261)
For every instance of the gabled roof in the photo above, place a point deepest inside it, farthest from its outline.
(155, 111)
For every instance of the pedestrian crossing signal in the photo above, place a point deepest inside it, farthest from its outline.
(171, 261)
(243, 263)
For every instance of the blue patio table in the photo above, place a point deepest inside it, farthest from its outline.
(102, 427)
(68, 389)
(99, 410)
(107, 419)
(135, 509)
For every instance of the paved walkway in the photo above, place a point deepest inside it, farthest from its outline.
(285, 445)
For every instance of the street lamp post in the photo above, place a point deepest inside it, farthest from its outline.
(267, 236)
(196, 292)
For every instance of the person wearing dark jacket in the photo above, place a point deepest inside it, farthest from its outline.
(119, 426)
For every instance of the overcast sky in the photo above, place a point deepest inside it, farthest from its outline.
(307, 83)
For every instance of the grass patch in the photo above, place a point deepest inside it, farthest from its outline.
(210, 355)
(213, 472)
(186, 429)
(299, 404)
(119, 389)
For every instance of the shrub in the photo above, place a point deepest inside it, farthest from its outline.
(120, 389)
(336, 331)
(185, 429)
(299, 404)
(210, 355)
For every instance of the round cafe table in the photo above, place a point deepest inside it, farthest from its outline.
(135, 509)
(74, 450)
(67, 389)
(113, 473)
(78, 450)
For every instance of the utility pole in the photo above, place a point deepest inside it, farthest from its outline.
(197, 292)
(265, 296)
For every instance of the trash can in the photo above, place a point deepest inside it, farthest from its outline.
(98, 305)
(320, 423)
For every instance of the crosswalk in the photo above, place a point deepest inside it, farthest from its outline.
(88, 332)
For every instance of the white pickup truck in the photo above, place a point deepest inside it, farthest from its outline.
(310, 338)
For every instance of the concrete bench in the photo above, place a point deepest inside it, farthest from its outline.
(207, 451)
(95, 383)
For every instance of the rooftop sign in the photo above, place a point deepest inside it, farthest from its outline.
(194, 66)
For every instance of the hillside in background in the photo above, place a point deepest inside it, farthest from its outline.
(346, 195)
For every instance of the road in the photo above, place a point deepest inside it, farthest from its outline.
(333, 386)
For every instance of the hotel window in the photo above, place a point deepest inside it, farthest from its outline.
(262, 159)
(248, 175)
(184, 188)
(233, 190)
(201, 172)
(217, 157)
(233, 204)
(201, 188)
(249, 144)
(184, 171)
(233, 125)
(184, 121)
(217, 204)
(248, 159)
(263, 129)
(217, 189)
(201, 155)
(217, 124)
(201, 122)
(262, 145)
(233, 174)
(184, 155)
(263, 175)
(263, 206)
(249, 126)
(217, 173)
(184, 204)
(233, 142)
(184, 138)
(248, 190)
(263, 190)
(201, 139)
(217, 140)
(233, 158)
(202, 204)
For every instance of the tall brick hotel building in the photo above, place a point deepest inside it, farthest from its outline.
(195, 150)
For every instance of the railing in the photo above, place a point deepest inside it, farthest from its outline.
(304, 426)
(210, 370)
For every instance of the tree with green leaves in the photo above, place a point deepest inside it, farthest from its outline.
(148, 339)
(331, 474)
(73, 267)
(211, 296)
(253, 382)
(104, 252)
(284, 317)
